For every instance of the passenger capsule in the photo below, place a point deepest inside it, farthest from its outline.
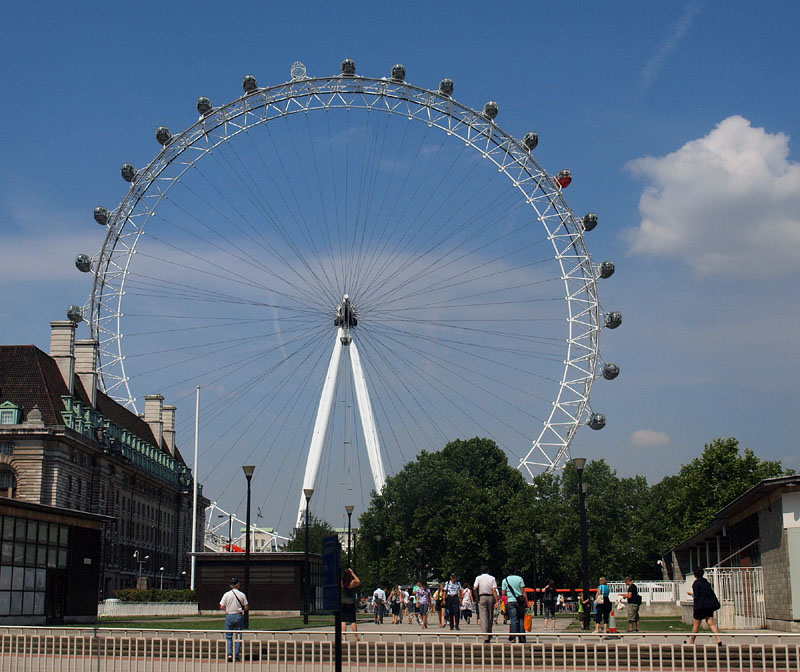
(607, 269)
(589, 220)
(83, 262)
(613, 320)
(610, 371)
(564, 178)
(204, 105)
(490, 110)
(597, 421)
(531, 141)
(163, 135)
(128, 172)
(249, 84)
(101, 215)
(348, 67)
(446, 87)
(399, 72)
(75, 314)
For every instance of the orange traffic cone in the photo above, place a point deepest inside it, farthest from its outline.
(612, 622)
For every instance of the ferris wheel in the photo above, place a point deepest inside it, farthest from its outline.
(359, 220)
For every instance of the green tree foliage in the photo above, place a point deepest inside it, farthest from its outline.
(452, 504)
(317, 531)
(710, 482)
(465, 505)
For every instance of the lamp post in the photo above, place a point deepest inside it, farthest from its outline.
(161, 582)
(349, 508)
(419, 564)
(378, 538)
(248, 474)
(306, 575)
(183, 579)
(580, 463)
(141, 562)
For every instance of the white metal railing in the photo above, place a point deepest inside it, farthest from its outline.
(740, 591)
(107, 650)
(651, 591)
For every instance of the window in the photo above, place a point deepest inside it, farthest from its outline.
(8, 482)
(9, 413)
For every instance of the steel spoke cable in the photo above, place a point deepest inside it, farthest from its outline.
(259, 200)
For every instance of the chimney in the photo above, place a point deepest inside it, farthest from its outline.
(153, 415)
(86, 367)
(169, 428)
(62, 350)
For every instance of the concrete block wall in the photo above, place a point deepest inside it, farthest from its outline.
(775, 561)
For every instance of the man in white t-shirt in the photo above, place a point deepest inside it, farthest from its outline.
(485, 587)
(379, 602)
(234, 604)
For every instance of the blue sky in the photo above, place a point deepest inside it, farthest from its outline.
(678, 120)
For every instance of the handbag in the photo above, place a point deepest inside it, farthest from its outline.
(522, 601)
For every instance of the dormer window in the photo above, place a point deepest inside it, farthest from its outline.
(10, 413)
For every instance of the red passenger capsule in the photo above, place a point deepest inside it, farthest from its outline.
(564, 178)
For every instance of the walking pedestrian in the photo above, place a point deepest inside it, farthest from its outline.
(234, 604)
(349, 584)
(466, 605)
(424, 597)
(395, 600)
(549, 603)
(452, 596)
(705, 604)
(513, 588)
(378, 603)
(485, 587)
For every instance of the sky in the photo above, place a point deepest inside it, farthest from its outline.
(678, 121)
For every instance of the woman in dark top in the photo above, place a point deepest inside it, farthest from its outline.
(705, 604)
(348, 585)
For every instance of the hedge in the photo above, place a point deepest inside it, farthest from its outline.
(154, 595)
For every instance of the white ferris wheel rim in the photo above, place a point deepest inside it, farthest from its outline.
(570, 408)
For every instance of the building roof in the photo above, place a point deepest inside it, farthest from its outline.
(30, 378)
(738, 505)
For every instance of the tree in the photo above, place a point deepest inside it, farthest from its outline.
(452, 504)
(709, 483)
(317, 531)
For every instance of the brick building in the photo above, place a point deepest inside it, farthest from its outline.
(65, 444)
(754, 547)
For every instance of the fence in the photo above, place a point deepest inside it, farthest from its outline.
(103, 650)
(740, 591)
(118, 608)
(651, 591)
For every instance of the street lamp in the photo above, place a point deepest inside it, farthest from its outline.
(580, 463)
(349, 508)
(248, 474)
(161, 570)
(306, 575)
(141, 562)
(183, 579)
(378, 538)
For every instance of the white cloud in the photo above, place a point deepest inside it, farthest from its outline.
(727, 203)
(647, 438)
